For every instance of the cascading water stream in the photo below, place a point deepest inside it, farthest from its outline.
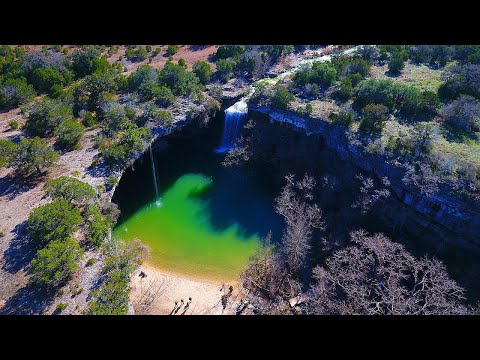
(154, 172)
(234, 117)
(236, 113)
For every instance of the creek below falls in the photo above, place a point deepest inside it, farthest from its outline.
(208, 219)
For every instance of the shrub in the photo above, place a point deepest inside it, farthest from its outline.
(374, 117)
(312, 90)
(408, 99)
(461, 79)
(61, 306)
(70, 189)
(282, 98)
(90, 262)
(157, 51)
(57, 92)
(225, 69)
(203, 71)
(345, 118)
(129, 143)
(165, 117)
(229, 51)
(322, 74)
(13, 124)
(98, 226)
(54, 264)
(139, 54)
(179, 80)
(45, 115)
(182, 63)
(69, 134)
(56, 220)
(114, 118)
(43, 79)
(396, 64)
(463, 113)
(148, 48)
(14, 92)
(112, 181)
(7, 150)
(89, 119)
(2, 233)
(86, 61)
(33, 154)
(308, 109)
(164, 96)
(346, 89)
(87, 94)
(172, 49)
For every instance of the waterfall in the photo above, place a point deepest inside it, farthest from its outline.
(234, 116)
(154, 172)
(236, 113)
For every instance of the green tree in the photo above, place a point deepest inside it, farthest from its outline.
(98, 226)
(172, 49)
(54, 221)
(225, 69)
(54, 264)
(346, 89)
(43, 79)
(308, 109)
(182, 63)
(69, 134)
(374, 117)
(85, 61)
(70, 189)
(396, 64)
(45, 115)
(178, 79)
(7, 149)
(229, 51)
(112, 297)
(203, 71)
(164, 96)
(14, 92)
(33, 154)
(128, 143)
(282, 98)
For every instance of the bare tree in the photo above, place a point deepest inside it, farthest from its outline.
(267, 280)
(369, 195)
(149, 294)
(295, 204)
(378, 276)
(241, 152)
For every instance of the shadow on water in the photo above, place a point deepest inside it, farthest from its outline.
(236, 196)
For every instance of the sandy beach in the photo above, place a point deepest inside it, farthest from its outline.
(156, 294)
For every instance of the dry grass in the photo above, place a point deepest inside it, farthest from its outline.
(422, 75)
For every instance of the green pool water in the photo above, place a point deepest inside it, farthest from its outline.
(178, 229)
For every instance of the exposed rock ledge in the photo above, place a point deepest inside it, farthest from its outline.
(447, 211)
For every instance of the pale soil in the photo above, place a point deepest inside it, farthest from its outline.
(191, 54)
(18, 200)
(206, 296)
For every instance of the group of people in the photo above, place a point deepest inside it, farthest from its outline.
(177, 306)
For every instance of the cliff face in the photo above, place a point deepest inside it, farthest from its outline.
(448, 216)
